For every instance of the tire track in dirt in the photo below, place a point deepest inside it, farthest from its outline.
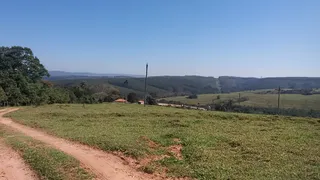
(12, 166)
(104, 165)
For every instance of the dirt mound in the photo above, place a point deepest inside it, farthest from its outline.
(151, 144)
(176, 151)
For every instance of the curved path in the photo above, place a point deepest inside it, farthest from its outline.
(104, 165)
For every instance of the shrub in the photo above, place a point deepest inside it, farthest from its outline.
(151, 101)
(193, 96)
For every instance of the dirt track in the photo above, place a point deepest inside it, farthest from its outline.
(12, 166)
(104, 165)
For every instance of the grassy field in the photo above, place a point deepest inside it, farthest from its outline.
(215, 145)
(48, 163)
(261, 100)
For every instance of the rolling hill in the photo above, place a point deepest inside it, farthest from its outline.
(157, 86)
(165, 86)
(58, 75)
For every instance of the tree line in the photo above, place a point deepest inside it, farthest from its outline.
(298, 85)
(22, 83)
(232, 105)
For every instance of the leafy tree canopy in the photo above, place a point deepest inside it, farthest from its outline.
(20, 76)
(132, 97)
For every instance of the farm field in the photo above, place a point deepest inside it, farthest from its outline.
(189, 143)
(260, 100)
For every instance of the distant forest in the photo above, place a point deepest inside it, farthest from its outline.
(165, 86)
(25, 81)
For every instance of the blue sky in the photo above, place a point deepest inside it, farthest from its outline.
(176, 37)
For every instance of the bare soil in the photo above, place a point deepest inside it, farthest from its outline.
(12, 166)
(176, 151)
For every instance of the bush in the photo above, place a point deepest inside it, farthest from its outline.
(243, 99)
(151, 101)
(229, 106)
(170, 102)
(132, 97)
(193, 96)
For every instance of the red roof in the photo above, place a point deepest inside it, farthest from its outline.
(120, 100)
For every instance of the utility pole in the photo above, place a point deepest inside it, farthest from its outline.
(279, 90)
(239, 99)
(145, 86)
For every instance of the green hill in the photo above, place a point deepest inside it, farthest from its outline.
(166, 86)
(161, 86)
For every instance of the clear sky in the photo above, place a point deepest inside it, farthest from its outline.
(177, 37)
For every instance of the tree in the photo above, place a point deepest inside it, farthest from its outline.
(112, 94)
(20, 75)
(85, 94)
(126, 83)
(37, 94)
(3, 96)
(15, 97)
(151, 101)
(18, 60)
(193, 96)
(132, 97)
(100, 96)
(57, 95)
(72, 97)
(292, 85)
(226, 105)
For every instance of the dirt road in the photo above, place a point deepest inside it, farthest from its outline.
(106, 166)
(12, 166)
